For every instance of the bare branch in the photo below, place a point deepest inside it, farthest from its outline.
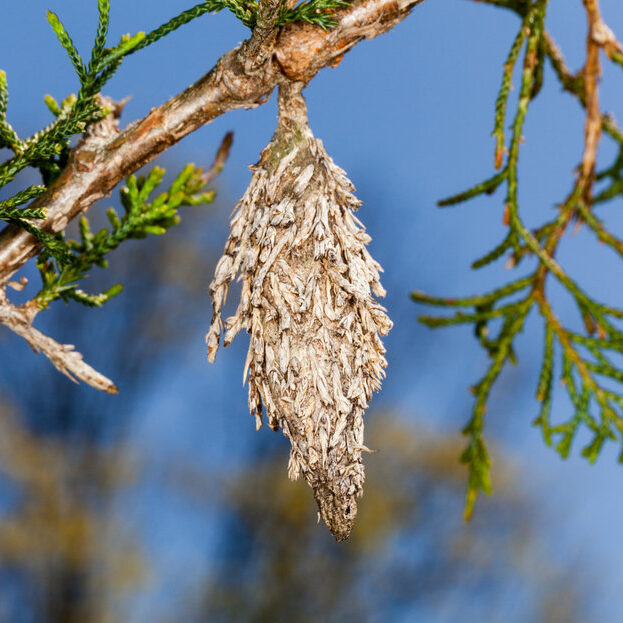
(99, 163)
(63, 356)
(592, 73)
(602, 35)
(219, 160)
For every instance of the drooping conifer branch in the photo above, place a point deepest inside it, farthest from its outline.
(592, 381)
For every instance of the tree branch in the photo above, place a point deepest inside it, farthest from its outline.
(63, 356)
(99, 163)
(592, 73)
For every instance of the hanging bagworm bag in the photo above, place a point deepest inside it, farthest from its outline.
(315, 354)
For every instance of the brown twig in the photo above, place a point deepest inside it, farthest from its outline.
(574, 84)
(586, 87)
(604, 37)
(63, 356)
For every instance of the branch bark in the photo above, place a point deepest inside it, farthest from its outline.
(99, 163)
(592, 73)
(63, 356)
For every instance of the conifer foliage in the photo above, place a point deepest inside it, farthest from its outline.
(582, 359)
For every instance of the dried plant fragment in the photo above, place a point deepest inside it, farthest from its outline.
(315, 353)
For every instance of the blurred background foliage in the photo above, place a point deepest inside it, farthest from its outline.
(69, 476)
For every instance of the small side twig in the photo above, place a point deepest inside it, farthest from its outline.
(219, 160)
(63, 356)
(574, 84)
(591, 74)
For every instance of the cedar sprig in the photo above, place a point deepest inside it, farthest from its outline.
(584, 360)
(8, 136)
(141, 217)
(9, 209)
(316, 12)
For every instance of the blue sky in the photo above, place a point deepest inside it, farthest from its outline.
(409, 117)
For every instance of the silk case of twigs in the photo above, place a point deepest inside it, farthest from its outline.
(315, 354)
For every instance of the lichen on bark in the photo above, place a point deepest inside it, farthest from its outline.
(315, 354)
